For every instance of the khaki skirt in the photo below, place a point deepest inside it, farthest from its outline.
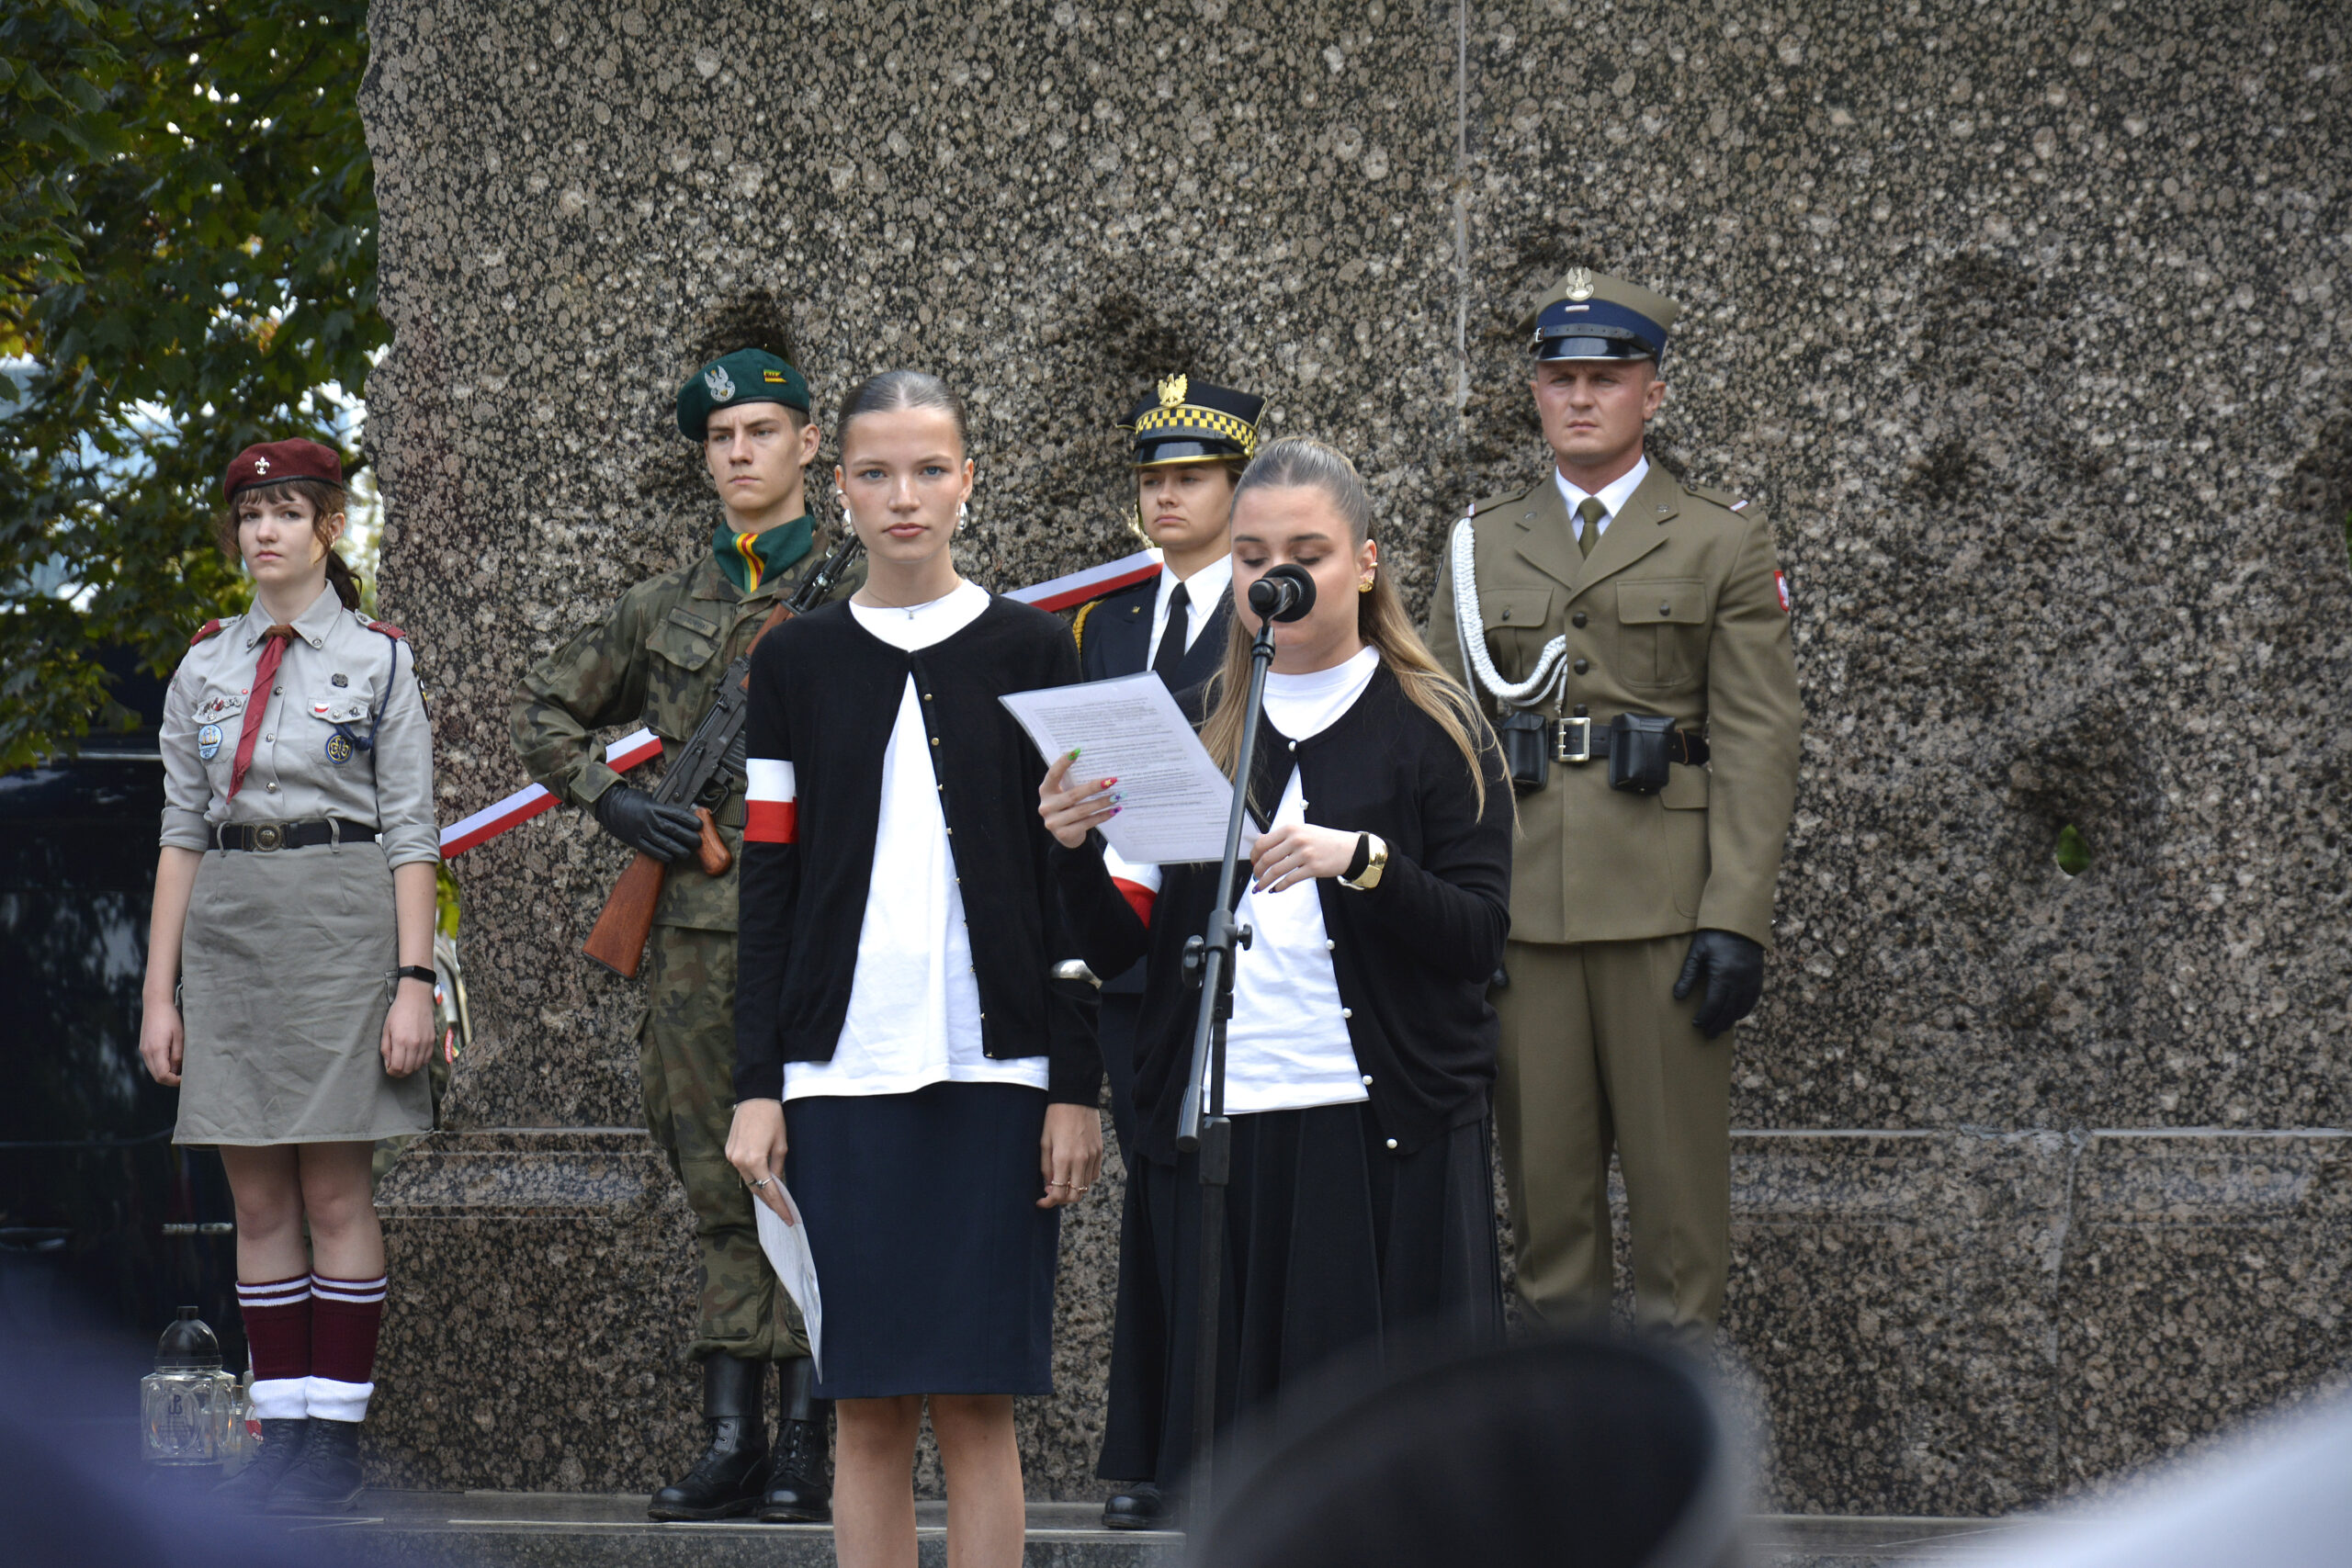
(286, 975)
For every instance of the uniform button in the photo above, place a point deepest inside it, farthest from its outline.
(1329, 946)
(1294, 745)
(1582, 665)
(1367, 1080)
(269, 738)
(1347, 1012)
(1392, 1143)
(935, 740)
(1506, 612)
(277, 690)
(1577, 619)
(272, 788)
(1666, 609)
(926, 696)
(951, 832)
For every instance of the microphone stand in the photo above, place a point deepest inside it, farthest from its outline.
(1205, 1130)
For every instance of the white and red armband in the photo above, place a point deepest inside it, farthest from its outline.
(1138, 884)
(771, 803)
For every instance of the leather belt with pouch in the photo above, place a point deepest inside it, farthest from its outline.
(1639, 748)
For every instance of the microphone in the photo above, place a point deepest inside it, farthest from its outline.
(1284, 594)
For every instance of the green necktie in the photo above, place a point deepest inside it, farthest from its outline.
(1591, 512)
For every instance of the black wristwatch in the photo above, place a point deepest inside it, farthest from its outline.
(416, 972)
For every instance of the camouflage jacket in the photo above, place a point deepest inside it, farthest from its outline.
(653, 658)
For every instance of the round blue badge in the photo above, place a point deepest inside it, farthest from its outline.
(338, 750)
(207, 741)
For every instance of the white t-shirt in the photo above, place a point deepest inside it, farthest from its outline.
(1612, 495)
(1287, 1046)
(914, 1007)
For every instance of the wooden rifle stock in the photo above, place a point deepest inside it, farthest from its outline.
(618, 941)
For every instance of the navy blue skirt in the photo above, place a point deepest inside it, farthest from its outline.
(936, 1263)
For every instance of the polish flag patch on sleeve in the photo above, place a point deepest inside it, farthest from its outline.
(771, 803)
(1138, 884)
(1781, 584)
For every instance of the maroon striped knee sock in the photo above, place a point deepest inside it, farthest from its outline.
(278, 1339)
(344, 1317)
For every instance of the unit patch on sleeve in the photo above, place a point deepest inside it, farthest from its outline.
(1781, 582)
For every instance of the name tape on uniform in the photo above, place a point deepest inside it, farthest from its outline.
(629, 750)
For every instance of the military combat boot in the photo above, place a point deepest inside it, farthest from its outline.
(801, 1487)
(282, 1440)
(324, 1478)
(726, 1480)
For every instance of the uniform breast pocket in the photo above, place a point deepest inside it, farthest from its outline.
(677, 687)
(349, 704)
(1661, 632)
(1515, 619)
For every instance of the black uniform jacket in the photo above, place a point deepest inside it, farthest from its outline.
(825, 697)
(1115, 637)
(1412, 956)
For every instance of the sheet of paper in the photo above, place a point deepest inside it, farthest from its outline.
(786, 1244)
(1172, 798)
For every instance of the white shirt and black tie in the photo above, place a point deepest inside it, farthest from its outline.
(1186, 606)
(1591, 512)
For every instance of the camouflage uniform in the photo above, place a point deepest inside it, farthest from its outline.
(656, 656)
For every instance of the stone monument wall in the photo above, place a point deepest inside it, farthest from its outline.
(2022, 321)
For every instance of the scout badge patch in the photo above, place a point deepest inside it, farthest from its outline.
(207, 741)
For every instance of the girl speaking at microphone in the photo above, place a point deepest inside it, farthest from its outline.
(289, 960)
(1361, 1050)
(902, 1059)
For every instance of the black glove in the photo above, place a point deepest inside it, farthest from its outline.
(647, 826)
(1734, 967)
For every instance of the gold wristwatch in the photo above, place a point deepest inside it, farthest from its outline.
(1368, 879)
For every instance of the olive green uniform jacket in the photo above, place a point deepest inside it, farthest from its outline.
(654, 658)
(1680, 610)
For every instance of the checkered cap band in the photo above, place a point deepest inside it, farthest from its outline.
(1192, 419)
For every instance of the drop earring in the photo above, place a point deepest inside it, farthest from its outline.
(963, 514)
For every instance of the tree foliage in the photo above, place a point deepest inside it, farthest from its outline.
(187, 265)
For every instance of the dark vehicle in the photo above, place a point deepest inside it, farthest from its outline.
(106, 1227)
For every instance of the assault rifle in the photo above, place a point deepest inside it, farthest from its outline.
(702, 774)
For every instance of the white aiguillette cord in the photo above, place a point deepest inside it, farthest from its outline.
(1550, 679)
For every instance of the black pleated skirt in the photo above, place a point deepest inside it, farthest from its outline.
(934, 1263)
(1331, 1241)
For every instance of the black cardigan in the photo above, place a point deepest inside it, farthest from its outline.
(1412, 956)
(825, 694)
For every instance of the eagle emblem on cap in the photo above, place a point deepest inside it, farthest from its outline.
(261, 465)
(1579, 283)
(1173, 389)
(721, 385)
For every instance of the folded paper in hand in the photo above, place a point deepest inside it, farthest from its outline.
(786, 1244)
(1173, 798)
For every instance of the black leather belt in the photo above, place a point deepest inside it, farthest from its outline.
(1577, 741)
(290, 835)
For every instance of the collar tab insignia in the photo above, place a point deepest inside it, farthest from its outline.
(721, 385)
(1173, 389)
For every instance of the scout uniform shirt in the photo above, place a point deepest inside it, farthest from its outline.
(1680, 610)
(655, 657)
(343, 732)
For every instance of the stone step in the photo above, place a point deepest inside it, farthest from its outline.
(530, 1529)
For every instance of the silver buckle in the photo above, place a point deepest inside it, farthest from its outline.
(269, 836)
(1583, 753)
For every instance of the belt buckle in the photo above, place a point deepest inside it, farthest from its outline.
(269, 836)
(1583, 753)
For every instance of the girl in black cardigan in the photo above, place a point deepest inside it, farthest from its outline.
(894, 1009)
(1362, 1049)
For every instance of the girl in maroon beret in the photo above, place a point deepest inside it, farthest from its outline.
(290, 979)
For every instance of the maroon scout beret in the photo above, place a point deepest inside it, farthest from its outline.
(273, 461)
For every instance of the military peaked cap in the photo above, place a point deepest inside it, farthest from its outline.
(1191, 421)
(274, 462)
(746, 376)
(1589, 315)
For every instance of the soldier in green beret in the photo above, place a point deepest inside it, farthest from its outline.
(1629, 634)
(655, 657)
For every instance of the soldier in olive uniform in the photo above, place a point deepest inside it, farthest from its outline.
(1630, 636)
(656, 656)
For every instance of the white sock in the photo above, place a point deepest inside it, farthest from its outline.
(328, 1400)
(281, 1399)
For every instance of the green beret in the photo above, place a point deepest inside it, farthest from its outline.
(746, 376)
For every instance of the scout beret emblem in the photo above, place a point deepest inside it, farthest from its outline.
(1579, 283)
(338, 749)
(721, 385)
(340, 680)
(261, 465)
(207, 741)
(1173, 389)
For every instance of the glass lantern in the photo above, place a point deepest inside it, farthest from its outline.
(185, 1404)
